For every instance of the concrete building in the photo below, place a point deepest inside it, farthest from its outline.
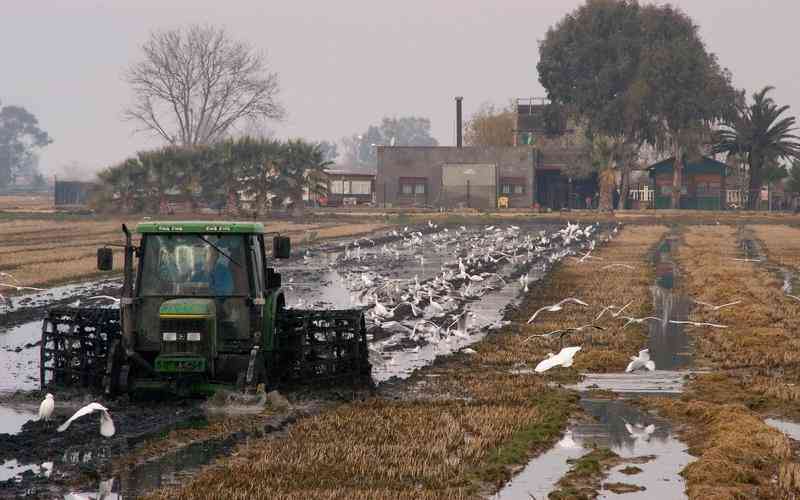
(348, 186)
(455, 177)
(72, 193)
(535, 171)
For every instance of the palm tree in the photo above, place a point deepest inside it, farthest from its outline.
(760, 135)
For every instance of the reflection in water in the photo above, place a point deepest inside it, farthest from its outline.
(668, 343)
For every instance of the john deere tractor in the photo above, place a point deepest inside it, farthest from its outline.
(198, 308)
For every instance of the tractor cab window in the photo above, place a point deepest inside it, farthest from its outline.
(188, 264)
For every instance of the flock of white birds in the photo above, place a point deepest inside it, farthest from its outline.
(473, 262)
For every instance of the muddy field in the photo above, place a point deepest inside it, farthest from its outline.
(330, 274)
(459, 410)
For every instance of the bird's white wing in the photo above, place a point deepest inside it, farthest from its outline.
(650, 365)
(567, 354)
(630, 428)
(650, 429)
(644, 355)
(547, 363)
(91, 407)
(106, 424)
(533, 318)
(573, 300)
(631, 365)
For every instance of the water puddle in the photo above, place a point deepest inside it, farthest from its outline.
(173, 468)
(13, 470)
(625, 430)
(791, 429)
(20, 357)
(651, 383)
(12, 419)
(61, 293)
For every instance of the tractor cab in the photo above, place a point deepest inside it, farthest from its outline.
(201, 289)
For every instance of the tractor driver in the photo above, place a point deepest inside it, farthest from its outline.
(220, 278)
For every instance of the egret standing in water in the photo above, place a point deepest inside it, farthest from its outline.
(46, 408)
(641, 361)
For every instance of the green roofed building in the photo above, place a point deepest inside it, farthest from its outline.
(703, 184)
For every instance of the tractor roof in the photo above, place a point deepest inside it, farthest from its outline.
(200, 227)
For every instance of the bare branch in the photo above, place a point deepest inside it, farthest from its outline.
(194, 84)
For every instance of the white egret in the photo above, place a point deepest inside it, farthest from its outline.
(556, 307)
(563, 358)
(641, 361)
(639, 321)
(611, 308)
(697, 323)
(46, 407)
(717, 308)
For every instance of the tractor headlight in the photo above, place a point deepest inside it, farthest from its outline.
(193, 336)
(169, 336)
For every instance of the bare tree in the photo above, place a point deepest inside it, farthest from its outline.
(194, 84)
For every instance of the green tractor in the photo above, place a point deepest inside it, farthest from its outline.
(202, 308)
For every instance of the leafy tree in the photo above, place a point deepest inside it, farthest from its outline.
(262, 169)
(194, 84)
(490, 126)
(588, 64)
(20, 138)
(634, 76)
(760, 134)
(405, 131)
(794, 177)
(681, 86)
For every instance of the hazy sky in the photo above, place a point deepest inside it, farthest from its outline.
(343, 64)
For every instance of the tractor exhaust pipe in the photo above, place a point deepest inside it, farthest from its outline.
(126, 301)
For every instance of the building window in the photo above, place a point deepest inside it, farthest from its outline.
(337, 187)
(512, 186)
(412, 186)
(360, 187)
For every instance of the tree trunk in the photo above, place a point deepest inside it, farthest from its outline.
(677, 176)
(756, 181)
(607, 185)
(626, 186)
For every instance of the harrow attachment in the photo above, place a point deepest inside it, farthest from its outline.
(76, 343)
(321, 346)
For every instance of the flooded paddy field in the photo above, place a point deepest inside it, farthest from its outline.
(368, 273)
(451, 350)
